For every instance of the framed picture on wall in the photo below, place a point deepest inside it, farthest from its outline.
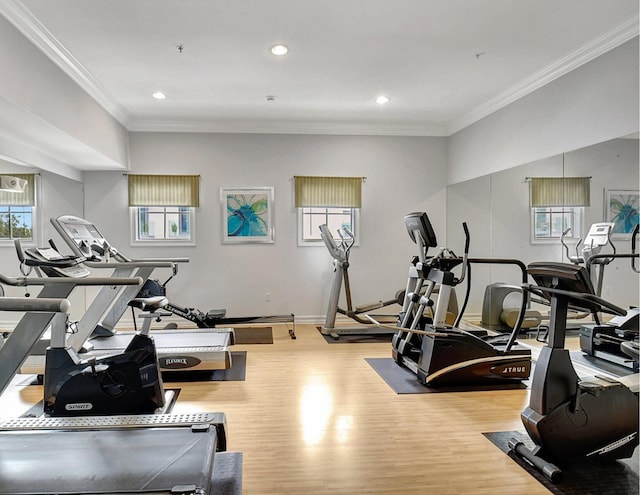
(247, 215)
(621, 208)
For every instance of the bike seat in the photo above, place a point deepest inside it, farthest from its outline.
(215, 314)
(150, 304)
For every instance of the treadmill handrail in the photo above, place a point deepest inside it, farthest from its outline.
(45, 304)
(160, 260)
(132, 263)
(108, 281)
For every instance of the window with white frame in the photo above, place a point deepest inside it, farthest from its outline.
(163, 208)
(548, 223)
(336, 219)
(333, 201)
(557, 207)
(17, 207)
(163, 223)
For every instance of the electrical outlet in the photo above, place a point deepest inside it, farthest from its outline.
(267, 296)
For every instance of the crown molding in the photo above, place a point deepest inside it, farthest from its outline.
(289, 127)
(38, 34)
(42, 38)
(599, 46)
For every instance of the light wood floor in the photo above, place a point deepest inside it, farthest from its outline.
(315, 418)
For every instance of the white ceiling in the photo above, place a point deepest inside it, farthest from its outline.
(444, 64)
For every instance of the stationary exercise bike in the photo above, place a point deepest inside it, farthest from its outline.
(340, 254)
(127, 382)
(573, 420)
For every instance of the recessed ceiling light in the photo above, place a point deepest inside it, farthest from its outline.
(381, 100)
(279, 49)
(159, 95)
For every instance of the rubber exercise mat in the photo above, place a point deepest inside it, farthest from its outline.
(403, 381)
(253, 335)
(227, 473)
(236, 373)
(590, 478)
(357, 339)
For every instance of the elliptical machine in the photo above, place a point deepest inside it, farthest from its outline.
(340, 254)
(573, 420)
(441, 355)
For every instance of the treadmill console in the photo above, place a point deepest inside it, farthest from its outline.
(80, 233)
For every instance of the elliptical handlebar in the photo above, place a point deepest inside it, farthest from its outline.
(347, 241)
(633, 248)
(564, 244)
(465, 256)
(577, 259)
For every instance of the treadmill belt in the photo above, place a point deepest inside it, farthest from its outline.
(113, 461)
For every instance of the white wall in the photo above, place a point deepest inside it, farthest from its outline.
(594, 103)
(403, 174)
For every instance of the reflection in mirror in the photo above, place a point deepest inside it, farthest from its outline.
(54, 195)
(502, 222)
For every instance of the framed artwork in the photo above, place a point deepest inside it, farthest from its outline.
(621, 208)
(247, 215)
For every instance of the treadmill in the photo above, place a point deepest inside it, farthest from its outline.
(189, 350)
(177, 454)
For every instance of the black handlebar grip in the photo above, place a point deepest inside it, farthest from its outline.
(467, 237)
(633, 238)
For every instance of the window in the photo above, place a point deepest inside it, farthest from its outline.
(17, 207)
(334, 201)
(16, 222)
(163, 208)
(310, 219)
(548, 223)
(158, 223)
(557, 203)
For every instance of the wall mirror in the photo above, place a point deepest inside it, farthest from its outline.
(500, 220)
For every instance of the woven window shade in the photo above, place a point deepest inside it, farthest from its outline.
(26, 198)
(560, 191)
(164, 190)
(342, 192)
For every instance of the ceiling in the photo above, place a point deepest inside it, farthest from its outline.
(443, 64)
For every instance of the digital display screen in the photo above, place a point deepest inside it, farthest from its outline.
(83, 232)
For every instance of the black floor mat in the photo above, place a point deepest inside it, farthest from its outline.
(236, 373)
(403, 381)
(227, 473)
(611, 478)
(363, 338)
